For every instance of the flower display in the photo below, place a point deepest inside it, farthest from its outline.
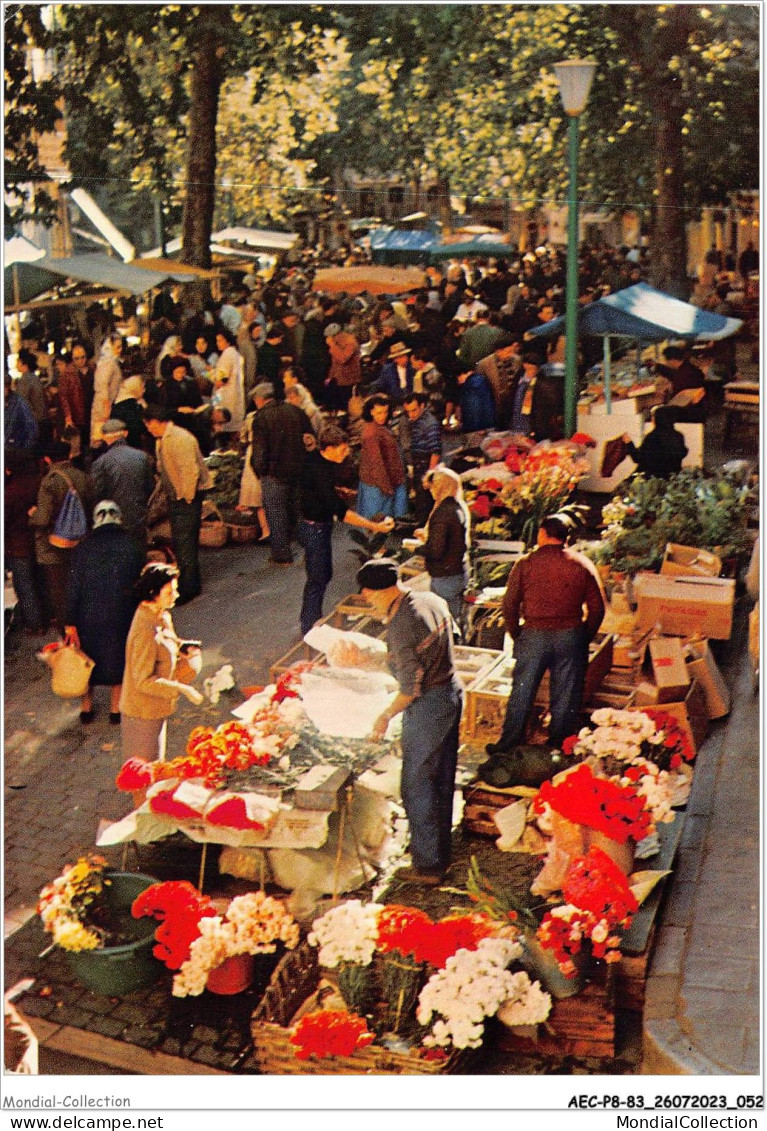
(472, 987)
(180, 908)
(213, 753)
(615, 809)
(651, 734)
(509, 499)
(599, 901)
(404, 929)
(69, 905)
(194, 939)
(346, 933)
(330, 1032)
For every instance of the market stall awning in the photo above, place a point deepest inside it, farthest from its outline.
(374, 280)
(259, 238)
(394, 245)
(480, 245)
(647, 315)
(108, 272)
(178, 272)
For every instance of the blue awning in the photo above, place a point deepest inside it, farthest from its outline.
(647, 315)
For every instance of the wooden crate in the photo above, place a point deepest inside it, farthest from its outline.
(353, 604)
(583, 1025)
(486, 700)
(471, 663)
(412, 567)
(294, 980)
(482, 802)
(299, 653)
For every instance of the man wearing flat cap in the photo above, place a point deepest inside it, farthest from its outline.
(420, 655)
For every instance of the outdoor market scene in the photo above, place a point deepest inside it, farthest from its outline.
(381, 520)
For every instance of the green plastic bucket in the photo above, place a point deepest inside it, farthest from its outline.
(116, 970)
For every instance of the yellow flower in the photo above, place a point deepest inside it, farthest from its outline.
(72, 935)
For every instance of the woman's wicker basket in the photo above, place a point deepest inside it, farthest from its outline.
(243, 532)
(213, 529)
(294, 980)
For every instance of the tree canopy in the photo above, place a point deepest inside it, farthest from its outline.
(263, 102)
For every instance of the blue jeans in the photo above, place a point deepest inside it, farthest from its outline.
(429, 755)
(22, 572)
(451, 590)
(316, 539)
(280, 506)
(185, 521)
(563, 652)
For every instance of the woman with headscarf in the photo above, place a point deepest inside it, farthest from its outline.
(447, 535)
(129, 407)
(106, 384)
(100, 602)
(153, 651)
(229, 379)
(662, 451)
(382, 488)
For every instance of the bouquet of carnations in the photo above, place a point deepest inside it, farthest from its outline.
(598, 902)
(71, 906)
(194, 939)
(422, 968)
(610, 807)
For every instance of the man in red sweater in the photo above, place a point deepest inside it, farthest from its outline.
(548, 589)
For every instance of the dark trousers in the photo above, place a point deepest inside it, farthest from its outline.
(23, 575)
(422, 500)
(563, 652)
(280, 506)
(56, 581)
(429, 754)
(316, 539)
(185, 535)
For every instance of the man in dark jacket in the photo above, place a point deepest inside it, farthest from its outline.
(280, 435)
(124, 474)
(548, 588)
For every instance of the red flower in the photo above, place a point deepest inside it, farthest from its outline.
(492, 484)
(595, 883)
(405, 929)
(480, 508)
(568, 746)
(330, 1032)
(456, 932)
(615, 810)
(179, 906)
(584, 439)
(134, 774)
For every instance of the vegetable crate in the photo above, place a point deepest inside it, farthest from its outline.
(295, 979)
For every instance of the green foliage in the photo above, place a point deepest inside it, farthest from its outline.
(692, 508)
(30, 110)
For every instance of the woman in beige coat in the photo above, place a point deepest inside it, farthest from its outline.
(153, 651)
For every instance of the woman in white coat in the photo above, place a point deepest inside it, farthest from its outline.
(106, 384)
(229, 380)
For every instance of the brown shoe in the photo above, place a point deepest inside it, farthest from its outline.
(413, 876)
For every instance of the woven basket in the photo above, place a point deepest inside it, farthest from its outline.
(293, 981)
(213, 529)
(243, 534)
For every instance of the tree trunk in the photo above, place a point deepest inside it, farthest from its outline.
(445, 209)
(668, 238)
(206, 78)
(668, 241)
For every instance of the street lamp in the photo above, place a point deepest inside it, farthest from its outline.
(574, 78)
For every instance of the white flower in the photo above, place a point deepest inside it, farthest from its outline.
(527, 1003)
(346, 933)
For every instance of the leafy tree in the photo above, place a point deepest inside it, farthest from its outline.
(31, 109)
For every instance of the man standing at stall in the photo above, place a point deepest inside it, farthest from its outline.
(420, 642)
(548, 589)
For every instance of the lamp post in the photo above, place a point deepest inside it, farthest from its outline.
(574, 78)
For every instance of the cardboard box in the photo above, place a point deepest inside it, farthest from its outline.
(703, 667)
(685, 606)
(691, 713)
(689, 561)
(669, 670)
